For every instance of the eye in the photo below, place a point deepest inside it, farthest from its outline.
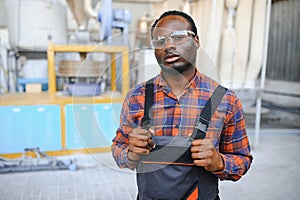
(159, 42)
(178, 38)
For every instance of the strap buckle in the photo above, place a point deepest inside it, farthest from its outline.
(146, 123)
(200, 129)
(202, 124)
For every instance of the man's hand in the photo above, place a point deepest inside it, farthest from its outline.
(205, 155)
(139, 143)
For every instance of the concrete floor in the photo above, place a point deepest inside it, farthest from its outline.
(275, 170)
(274, 175)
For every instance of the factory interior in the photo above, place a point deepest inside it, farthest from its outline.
(66, 66)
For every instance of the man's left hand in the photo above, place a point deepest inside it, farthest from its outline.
(205, 155)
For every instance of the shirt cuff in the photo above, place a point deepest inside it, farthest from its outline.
(131, 163)
(222, 174)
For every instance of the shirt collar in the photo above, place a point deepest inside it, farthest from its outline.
(162, 84)
(193, 83)
(195, 80)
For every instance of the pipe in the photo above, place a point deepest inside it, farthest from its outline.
(88, 10)
(263, 76)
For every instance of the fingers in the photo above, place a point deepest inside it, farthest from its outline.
(201, 149)
(201, 145)
(204, 154)
(140, 131)
(139, 150)
(206, 163)
(197, 142)
(139, 141)
(151, 131)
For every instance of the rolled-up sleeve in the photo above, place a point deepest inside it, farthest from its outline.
(130, 117)
(234, 145)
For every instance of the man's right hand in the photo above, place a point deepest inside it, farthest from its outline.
(139, 143)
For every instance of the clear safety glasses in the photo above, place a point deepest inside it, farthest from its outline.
(178, 37)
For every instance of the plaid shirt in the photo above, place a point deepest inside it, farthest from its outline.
(174, 116)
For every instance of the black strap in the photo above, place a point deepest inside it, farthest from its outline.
(209, 190)
(207, 112)
(148, 103)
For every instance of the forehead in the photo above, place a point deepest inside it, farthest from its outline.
(171, 23)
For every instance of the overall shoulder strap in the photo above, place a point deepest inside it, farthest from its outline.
(149, 92)
(210, 189)
(207, 112)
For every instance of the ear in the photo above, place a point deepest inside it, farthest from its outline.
(197, 41)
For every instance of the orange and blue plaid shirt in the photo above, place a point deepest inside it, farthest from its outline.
(174, 116)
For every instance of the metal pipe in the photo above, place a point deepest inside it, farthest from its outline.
(263, 77)
(88, 9)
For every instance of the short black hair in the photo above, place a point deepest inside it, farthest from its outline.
(175, 12)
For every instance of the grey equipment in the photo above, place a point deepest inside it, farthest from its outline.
(37, 161)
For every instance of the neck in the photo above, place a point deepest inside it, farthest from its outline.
(178, 81)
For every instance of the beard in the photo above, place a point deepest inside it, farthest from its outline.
(175, 68)
(178, 67)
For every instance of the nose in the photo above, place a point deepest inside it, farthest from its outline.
(169, 43)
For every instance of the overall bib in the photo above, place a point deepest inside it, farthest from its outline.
(168, 171)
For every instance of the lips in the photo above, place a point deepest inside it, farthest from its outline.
(171, 57)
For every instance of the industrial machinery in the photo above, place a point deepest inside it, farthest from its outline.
(86, 74)
(95, 22)
(33, 159)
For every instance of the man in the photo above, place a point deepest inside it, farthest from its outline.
(180, 93)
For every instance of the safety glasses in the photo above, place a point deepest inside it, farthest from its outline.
(177, 37)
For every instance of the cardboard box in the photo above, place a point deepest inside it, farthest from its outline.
(33, 87)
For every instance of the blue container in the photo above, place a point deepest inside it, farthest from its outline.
(91, 125)
(28, 127)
